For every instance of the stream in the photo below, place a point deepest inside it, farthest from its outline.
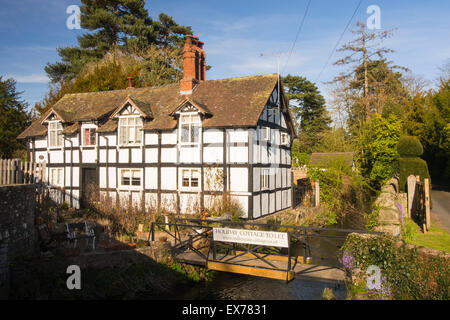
(226, 286)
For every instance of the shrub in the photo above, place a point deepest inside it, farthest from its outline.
(344, 194)
(406, 273)
(377, 149)
(299, 159)
(121, 218)
(412, 166)
(409, 146)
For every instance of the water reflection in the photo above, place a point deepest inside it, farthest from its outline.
(240, 287)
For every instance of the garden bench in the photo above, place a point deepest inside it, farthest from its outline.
(78, 231)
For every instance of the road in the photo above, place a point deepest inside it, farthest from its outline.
(441, 206)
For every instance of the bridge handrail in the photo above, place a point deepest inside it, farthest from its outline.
(281, 226)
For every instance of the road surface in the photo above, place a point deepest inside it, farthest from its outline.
(441, 206)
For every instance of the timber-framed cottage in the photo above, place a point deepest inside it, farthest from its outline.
(159, 146)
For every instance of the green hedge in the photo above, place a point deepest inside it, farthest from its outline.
(412, 166)
(409, 146)
(405, 273)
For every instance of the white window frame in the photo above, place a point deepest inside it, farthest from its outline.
(130, 186)
(59, 128)
(83, 137)
(59, 176)
(284, 139)
(190, 177)
(266, 134)
(265, 181)
(190, 123)
(136, 131)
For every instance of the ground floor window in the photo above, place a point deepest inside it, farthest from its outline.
(265, 179)
(190, 178)
(130, 177)
(56, 176)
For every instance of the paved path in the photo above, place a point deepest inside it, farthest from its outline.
(441, 207)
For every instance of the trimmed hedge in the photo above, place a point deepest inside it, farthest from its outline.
(412, 166)
(409, 146)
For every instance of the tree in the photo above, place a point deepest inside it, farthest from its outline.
(124, 41)
(377, 149)
(14, 118)
(149, 67)
(428, 118)
(168, 32)
(335, 140)
(114, 24)
(308, 107)
(371, 86)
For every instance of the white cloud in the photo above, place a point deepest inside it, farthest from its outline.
(32, 78)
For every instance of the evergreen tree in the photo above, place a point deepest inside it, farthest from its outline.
(308, 107)
(13, 118)
(428, 118)
(170, 33)
(114, 24)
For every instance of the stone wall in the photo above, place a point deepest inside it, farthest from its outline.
(17, 231)
(389, 215)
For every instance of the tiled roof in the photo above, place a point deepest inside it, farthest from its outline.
(235, 102)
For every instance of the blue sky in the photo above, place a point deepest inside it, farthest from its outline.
(235, 33)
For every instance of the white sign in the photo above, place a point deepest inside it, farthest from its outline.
(265, 238)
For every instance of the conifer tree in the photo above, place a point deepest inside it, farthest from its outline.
(308, 107)
(114, 24)
(13, 118)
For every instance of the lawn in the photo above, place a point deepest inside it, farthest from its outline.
(435, 238)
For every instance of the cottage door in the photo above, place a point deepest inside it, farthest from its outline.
(89, 186)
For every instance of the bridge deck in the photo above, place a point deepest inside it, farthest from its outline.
(253, 266)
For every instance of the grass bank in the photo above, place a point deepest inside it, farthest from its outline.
(436, 238)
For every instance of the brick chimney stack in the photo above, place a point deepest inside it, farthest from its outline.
(130, 82)
(193, 64)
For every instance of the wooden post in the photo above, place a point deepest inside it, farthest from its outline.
(44, 172)
(34, 172)
(1, 171)
(26, 176)
(40, 172)
(8, 172)
(20, 172)
(316, 194)
(427, 203)
(411, 192)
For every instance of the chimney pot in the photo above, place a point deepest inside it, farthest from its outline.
(130, 82)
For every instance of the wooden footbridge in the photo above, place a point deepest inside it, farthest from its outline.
(257, 249)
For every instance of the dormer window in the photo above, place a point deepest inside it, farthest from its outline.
(89, 135)
(130, 130)
(190, 124)
(55, 129)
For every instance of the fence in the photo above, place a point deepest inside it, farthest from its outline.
(15, 171)
(308, 192)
